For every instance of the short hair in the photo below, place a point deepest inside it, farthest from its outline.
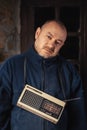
(60, 23)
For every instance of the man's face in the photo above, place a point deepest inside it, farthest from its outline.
(49, 39)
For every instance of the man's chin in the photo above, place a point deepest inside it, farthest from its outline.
(46, 56)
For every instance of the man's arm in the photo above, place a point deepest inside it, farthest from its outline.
(5, 96)
(76, 108)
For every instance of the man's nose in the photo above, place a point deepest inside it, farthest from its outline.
(52, 43)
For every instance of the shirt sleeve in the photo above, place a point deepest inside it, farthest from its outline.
(76, 107)
(5, 96)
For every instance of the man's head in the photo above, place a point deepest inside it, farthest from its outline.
(50, 38)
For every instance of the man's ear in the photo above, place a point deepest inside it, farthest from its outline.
(37, 32)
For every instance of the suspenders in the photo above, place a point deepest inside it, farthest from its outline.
(60, 79)
(59, 74)
(25, 69)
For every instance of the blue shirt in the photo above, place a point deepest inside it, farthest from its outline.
(55, 76)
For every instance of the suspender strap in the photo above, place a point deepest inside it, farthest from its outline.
(25, 74)
(61, 82)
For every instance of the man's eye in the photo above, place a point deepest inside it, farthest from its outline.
(58, 43)
(49, 37)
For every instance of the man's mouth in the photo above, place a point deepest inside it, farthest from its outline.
(49, 50)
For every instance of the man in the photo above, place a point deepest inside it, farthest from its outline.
(48, 72)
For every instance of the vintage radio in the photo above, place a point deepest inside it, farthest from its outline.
(41, 104)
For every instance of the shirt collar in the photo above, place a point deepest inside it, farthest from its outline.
(35, 57)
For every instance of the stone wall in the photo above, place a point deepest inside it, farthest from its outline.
(9, 28)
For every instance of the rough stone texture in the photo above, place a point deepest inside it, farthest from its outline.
(9, 28)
